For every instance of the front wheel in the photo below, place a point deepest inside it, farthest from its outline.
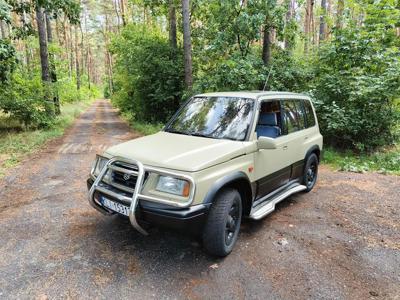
(222, 227)
(310, 172)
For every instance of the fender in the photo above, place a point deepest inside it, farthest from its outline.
(221, 182)
(313, 149)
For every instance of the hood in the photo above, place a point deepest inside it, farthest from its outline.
(178, 152)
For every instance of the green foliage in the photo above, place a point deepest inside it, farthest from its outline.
(22, 99)
(149, 77)
(8, 59)
(386, 161)
(357, 82)
(15, 145)
(144, 128)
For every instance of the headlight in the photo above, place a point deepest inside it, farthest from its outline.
(173, 185)
(98, 165)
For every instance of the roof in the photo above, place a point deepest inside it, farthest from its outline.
(253, 94)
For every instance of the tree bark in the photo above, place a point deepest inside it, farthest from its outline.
(172, 25)
(77, 66)
(340, 10)
(88, 65)
(266, 50)
(44, 54)
(322, 21)
(187, 44)
(71, 51)
(289, 17)
(123, 13)
(2, 30)
(308, 23)
(53, 73)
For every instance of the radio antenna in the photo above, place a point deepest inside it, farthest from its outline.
(266, 81)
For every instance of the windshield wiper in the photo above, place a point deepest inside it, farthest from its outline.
(177, 131)
(201, 135)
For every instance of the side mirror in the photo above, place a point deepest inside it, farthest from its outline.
(264, 142)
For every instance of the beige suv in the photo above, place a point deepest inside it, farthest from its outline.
(222, 157)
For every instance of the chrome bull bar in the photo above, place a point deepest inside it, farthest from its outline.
(134, 200)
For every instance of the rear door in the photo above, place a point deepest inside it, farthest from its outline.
(294, 125)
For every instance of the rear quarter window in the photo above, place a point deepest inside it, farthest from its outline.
(310, 118)
(293, 115)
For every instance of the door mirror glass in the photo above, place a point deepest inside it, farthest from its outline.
(264, 142)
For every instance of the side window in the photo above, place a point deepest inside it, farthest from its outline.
(293, 116)
(309, 114)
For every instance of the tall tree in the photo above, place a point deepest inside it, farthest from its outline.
(53, 72)
(123, 13)
(44, 54)
(187, 44)
(172, 24)
(308, 22)
(322, 21)
(289, 19)
(77, 65)
(266, 50)
(339, 14)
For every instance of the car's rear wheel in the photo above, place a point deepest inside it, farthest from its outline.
(310, 172)
(223, 223)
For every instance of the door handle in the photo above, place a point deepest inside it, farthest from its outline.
(306, 137)
(284, 147)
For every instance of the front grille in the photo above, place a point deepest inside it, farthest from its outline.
(124, 179)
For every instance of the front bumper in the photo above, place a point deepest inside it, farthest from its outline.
(190, 219)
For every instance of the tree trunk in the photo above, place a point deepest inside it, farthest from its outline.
(172, 25)
(88, 65)
(266, 50)
(322, 22)
(71, 51)
(53, 73)
(2, 30)
(339, 18)
(308, 23)
(44, 55)
(109, 68)
(77, 66)
(123, 14)
(187, 44)
(289, 17)
(115, 4)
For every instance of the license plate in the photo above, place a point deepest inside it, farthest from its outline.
(117, 207)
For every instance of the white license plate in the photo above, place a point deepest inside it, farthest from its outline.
(117, 207)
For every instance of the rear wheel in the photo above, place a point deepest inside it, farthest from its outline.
(222, 227)
(310, 172)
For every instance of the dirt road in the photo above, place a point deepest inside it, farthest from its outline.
(341, 241)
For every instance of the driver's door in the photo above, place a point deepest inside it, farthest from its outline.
(272, 167)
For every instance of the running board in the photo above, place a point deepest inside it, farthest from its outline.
(262, 210)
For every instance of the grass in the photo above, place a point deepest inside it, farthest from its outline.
(142, 127)
(385, 161)
(16, 144)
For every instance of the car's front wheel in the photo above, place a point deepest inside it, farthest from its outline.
(223, 223)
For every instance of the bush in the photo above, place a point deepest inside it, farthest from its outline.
(238, 73)
(357, 82)
(149, 74)
(22, 99)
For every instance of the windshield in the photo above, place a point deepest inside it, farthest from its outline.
(214, 117)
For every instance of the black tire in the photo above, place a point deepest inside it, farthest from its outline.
(310, 172)
(223, 223)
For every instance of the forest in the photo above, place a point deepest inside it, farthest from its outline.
(150, 56)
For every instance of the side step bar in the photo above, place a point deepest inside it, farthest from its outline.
(266, 208)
